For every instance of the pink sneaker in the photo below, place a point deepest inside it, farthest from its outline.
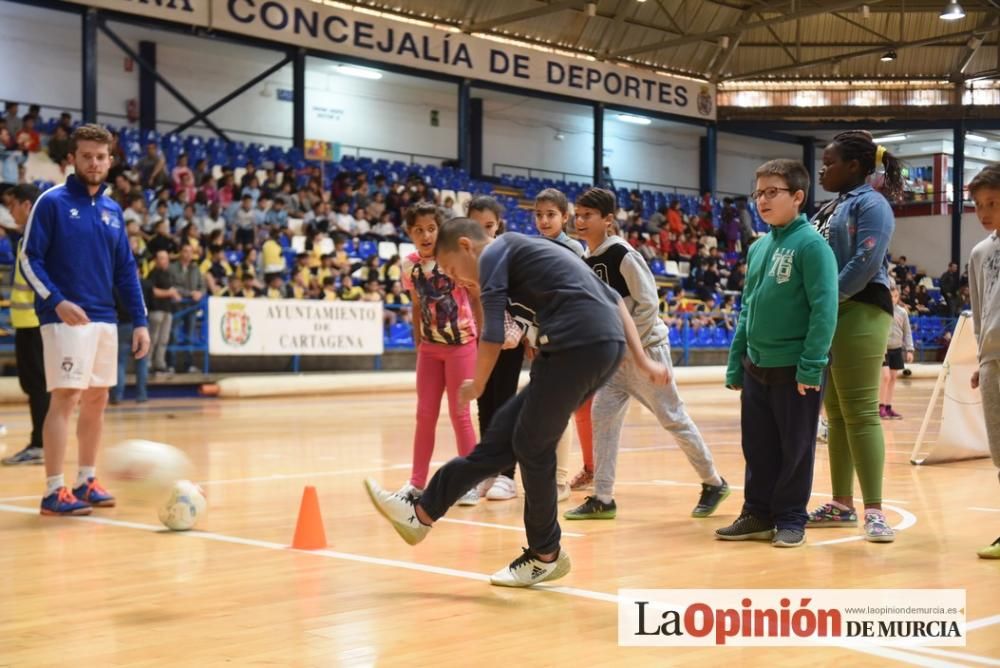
(882, 413)
(891, 414)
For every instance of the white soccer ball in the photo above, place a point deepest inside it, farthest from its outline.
(145, 471)
(184, 508)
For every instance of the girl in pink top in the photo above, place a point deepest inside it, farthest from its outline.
(444, 330)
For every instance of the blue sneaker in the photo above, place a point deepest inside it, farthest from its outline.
(62, 502)
(93, 493)
(28, 455)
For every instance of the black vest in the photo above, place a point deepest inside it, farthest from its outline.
(608, 267)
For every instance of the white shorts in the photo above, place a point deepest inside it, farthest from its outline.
(77, 358)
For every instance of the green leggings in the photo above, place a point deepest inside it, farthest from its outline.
(856, 442)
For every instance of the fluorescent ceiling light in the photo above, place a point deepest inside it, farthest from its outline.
(361, 72)
(891, 139)
(952, 12)
(888, 56)
(975, 138)
(631, 118)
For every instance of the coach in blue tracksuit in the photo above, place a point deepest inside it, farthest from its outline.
(76, 252)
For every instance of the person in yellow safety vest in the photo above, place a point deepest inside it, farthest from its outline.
(27, 335)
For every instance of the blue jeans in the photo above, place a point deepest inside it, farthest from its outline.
(141, 366)
(188, 324)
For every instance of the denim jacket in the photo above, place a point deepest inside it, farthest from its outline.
(859, 231)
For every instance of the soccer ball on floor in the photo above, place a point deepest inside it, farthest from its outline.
(144, 472)
(185, 506)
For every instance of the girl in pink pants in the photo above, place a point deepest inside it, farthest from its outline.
(444, 330)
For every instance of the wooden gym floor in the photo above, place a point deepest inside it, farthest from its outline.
(118, 590)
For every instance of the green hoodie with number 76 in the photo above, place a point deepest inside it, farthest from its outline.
(789, 307)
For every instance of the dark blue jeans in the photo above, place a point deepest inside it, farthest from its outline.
(188, 324)
(141, 366)
(779, 445)
(528, 428)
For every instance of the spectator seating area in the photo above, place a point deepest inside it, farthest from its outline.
(515, 193)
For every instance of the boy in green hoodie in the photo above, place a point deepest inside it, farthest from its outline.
(778, 357)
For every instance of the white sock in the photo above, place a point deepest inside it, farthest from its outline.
(605, 498)
(85, 474)
(714, 481)
(53, 483)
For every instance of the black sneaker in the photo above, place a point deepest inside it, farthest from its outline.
(28, 455)
(746, 527)
(711, 497)
(789, 538)
(593, 508)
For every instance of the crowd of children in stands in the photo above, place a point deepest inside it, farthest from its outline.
(240, 226)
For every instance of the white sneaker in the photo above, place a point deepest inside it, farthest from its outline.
(503, 489)
(410, 491)
(823, 431)
(470, 498)
(400, 510)
(562, 492)
(528, 570)
(485, 485)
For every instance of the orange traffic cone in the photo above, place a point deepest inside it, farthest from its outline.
(309, 533)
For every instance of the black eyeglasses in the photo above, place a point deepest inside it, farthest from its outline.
(768, 193)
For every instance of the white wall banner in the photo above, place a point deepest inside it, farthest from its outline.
(342, 31)
(192, 12)
(962, 433)
(293, 327)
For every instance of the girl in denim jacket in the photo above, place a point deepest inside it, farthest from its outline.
(858, 225)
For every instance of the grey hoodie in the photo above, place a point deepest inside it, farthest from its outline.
(984, 289)
(622, 267)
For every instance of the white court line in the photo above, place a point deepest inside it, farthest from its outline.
(904, 657)
(468, 575)
(507, 527)
(654, 448)
(677, 483)
(295, 476)
(20, 498)
(958, 656)
(982, 623)
(984, 510)
(909, 519)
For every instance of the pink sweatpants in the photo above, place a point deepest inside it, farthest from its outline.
(440, 368)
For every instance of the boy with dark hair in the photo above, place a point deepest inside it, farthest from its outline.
(620, 266)
(778, 356)
(583, 329)
(984, 290)
(27, 335)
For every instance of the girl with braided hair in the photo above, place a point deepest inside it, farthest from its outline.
(858, 225)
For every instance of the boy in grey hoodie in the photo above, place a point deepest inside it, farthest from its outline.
(984, 289)
(619, 265)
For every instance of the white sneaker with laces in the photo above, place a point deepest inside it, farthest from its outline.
(503, 489)
(529, 570)
(400, 510)
(485, 485)
(411, 491)
(562, 492)
(470, 498)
